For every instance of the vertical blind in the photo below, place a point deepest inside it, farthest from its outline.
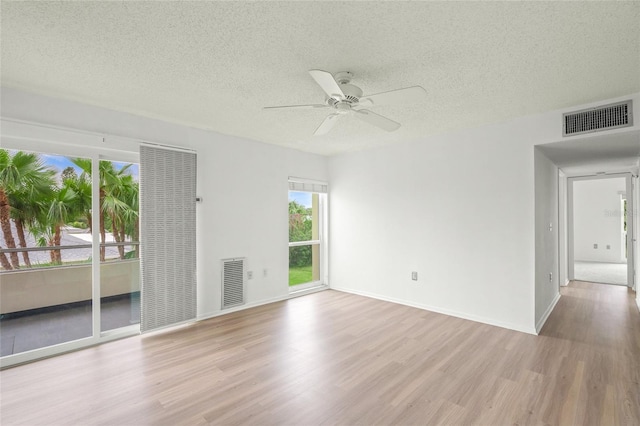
(168, 237)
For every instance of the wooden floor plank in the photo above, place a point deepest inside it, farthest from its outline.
(336, 358)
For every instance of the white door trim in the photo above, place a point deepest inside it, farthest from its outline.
(630, 222)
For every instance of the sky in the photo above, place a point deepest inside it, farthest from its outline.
(303, 198)
(59, 163)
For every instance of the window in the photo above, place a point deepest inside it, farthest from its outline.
(307, 231)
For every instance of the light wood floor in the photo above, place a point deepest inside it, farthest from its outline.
(336, 358)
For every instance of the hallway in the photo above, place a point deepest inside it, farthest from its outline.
(601, 272)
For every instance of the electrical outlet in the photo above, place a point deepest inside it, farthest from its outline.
(608, 247)
(595, 246)
(264, 272)
(249, 275)
(550, 277)
(414, 276)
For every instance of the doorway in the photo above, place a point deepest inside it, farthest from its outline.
(601, 229)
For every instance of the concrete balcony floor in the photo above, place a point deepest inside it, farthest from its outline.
(39, 328)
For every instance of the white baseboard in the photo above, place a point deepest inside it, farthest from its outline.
(638, 303)
(261, 302)
(546, 314)
(241, 308)
(438, 310)
(308, 291)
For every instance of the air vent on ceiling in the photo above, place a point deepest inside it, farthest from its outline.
(233, 283)
(606, 117)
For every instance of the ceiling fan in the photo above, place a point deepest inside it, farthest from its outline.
(345, 98)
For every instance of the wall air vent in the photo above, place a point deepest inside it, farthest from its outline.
(605, 117)
(233, 283)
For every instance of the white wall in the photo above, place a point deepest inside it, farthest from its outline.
(636, 232)
(597, 217)
(457, 208)
(546, 236)
(563, 277)
(243, 185)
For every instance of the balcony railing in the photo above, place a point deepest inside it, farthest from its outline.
(46, 305)
(45, 286)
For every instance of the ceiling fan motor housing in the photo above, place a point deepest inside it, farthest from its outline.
(343, 77)
(352, 94)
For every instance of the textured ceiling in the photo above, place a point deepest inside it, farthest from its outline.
(214, 65)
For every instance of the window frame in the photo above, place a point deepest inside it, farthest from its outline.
(322, 189)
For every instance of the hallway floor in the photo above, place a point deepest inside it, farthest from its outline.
(601, 272)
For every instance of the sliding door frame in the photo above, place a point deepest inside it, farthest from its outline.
(34, 137)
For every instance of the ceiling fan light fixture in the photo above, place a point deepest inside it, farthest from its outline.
(343, 107)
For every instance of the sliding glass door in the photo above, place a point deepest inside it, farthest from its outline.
(46, 289)
(69, 250)
(119, 245)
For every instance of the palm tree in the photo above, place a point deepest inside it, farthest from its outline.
(5, 223)
(128, 192)
(116, 191)
(116, 209)
(115, 186)
(8, 181)
(85, 166)
(21, 173)
(27, 204)
(43, 233)
(132, 216)
(4, 261)
(24, 212)
(60, 210)
(81, 185)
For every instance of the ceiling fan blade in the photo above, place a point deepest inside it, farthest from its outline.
(297, 106)
(400, 96)
(326, 81)
(327, 124)
(377, 120)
